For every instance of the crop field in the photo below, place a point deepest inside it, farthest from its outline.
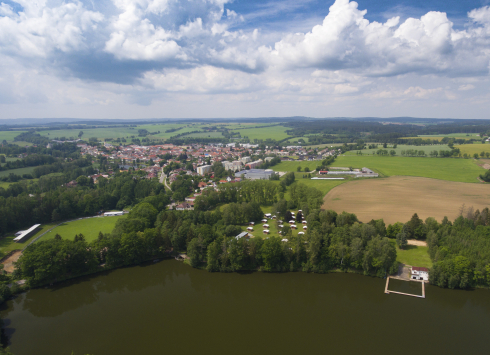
(89, 227)
(275, 132)
(9, 135)
(100, 133)
(396, 199)
(471, 149)
(451, 169)
(20, 171)
(426, 148)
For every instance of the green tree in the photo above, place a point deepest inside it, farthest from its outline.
(401, 240)
(272, 254)
(298, 169)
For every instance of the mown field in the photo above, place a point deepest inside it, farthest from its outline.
(7, 244)
(471, 149)
(275, 132)
(9, 135)
(450, 169)
(426, 148)
(397, 198)
(89, 227)
(293, 165)
(413, 255)
(19, 171)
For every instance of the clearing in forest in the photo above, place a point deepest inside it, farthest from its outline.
(397, 198)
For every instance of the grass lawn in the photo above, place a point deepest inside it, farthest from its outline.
(274, 231)
(7, 244)
(90, 228)
(413, 255)
(450, 169)
(5, 185)
(20, 171)
(471, 149)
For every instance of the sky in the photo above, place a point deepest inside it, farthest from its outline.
(244, 58)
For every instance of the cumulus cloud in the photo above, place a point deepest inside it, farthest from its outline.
(347, 40)
(148, 49)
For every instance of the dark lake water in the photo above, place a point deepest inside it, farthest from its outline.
(168, 307)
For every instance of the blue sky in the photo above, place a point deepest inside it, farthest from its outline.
(222, 58)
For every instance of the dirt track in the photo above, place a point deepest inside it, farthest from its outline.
(397, 198)
(9, 262)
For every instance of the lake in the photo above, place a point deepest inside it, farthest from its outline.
(168, 307)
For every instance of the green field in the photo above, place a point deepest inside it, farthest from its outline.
(293, 165)
(413, 255)
(275, 132)
(426, 148)
(9, 135)
(7, 244)
(451, 135)
(471, 149)
(20, 171)
(450, 169)
(89, 227)
(204, 135)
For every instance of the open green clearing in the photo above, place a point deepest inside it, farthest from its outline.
(7, 244)
(471, 149)
(451, 169)
(19, 171)
(274, 132)
(9, 135)
(426, 148)
(89, 227)
(451, 135)
(413, 255)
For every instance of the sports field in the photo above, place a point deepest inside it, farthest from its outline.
(397, 198)
(89, 227)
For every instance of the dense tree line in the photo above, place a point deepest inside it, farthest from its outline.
(21, 211)
(461, 251)
(30, 160)
(63, 150)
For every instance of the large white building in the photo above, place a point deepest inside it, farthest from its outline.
(205, 169)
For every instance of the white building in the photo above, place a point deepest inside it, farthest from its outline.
(420, 273)
(205, 169)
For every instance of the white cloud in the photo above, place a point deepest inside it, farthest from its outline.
(192, 49)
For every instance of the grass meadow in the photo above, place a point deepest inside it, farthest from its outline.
(450, 169)
(471, 149)
(426, 148)
(7, 244)
(451, 135)
(89, 227)
(9, 135)
(19, 171)
(275, 132)
(413, 255)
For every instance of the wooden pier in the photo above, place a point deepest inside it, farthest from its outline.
(402, 293)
